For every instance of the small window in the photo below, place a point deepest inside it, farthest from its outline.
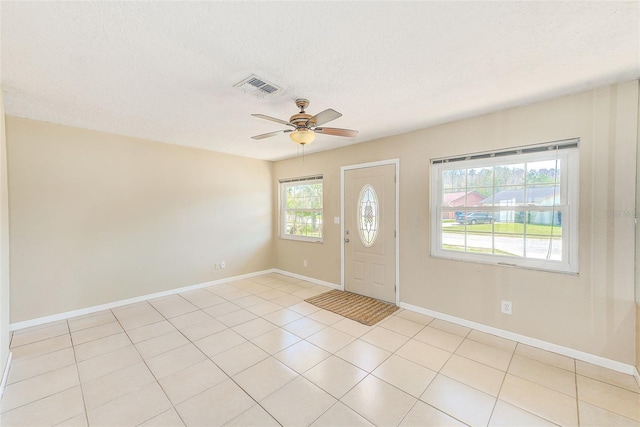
(515, 208)
(301, 209)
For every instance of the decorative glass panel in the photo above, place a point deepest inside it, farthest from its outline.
(368, 215)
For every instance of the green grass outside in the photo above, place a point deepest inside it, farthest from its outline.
(506, 227)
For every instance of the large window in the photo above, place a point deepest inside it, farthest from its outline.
(517, 207)
(301, 208)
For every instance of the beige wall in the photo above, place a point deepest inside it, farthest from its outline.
(4, 246)
(97, 218)
(592, 312)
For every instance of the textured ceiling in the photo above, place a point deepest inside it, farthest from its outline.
(165, 70)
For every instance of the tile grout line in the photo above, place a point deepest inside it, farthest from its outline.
(298, 375)
(173, 406)
(250, 396)
(329, 408)
(508, 373)
(384, 381)
(504, 378)
(44, 373)
(610, 384)
(394, 386)
(229, 377)
(447, 361)
(47, 372)
(151, 371)
(345, 393)
(539, 383)
(301, 374)
(84, 402)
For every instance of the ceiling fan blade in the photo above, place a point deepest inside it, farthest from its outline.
(270, 134)
(273, 119)
(336, 131)
(323, 117)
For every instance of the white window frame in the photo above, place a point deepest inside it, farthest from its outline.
(293, 182)
(566, 152)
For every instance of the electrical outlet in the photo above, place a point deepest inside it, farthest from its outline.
(305, 263)
(506, 307)
(223, 264)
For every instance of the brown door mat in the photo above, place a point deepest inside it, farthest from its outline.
(365, 310)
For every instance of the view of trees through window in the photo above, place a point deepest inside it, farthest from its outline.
(302, 209)
(487, 179)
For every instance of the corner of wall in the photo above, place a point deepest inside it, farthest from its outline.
(637, 335)
(274, 214)
(4, 245)
(637, 261)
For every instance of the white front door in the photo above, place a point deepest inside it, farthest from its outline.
(369, 231)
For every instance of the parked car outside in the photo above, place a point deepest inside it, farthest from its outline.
(474, 218)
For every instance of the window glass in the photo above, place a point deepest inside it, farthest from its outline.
(518, 209)
(301, 209)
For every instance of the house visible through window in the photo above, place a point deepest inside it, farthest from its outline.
(517, 207)
(301, 208)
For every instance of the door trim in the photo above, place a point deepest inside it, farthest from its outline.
(343, 169)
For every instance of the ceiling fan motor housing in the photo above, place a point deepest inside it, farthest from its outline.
(300, 120)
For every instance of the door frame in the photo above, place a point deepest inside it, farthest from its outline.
(343, 169)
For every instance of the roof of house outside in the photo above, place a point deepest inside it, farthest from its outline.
(448, 198)
(534, 195)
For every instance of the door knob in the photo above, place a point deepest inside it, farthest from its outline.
(346, 240)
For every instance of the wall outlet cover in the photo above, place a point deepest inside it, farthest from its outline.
(506, 307)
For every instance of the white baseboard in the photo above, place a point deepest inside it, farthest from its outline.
(534, 342)
(307, 279)
(5, 376)
(75, 313)
(69, 314)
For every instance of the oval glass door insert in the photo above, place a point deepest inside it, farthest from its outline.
(368, 215)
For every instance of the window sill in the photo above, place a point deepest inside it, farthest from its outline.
(302, 239)
(507, 263)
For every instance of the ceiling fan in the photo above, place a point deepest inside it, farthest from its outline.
(305, 126)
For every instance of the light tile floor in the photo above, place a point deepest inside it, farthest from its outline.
(253, 353)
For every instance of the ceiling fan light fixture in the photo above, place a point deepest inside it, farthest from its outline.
(302, 136)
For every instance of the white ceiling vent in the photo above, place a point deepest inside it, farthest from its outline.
(258, 86)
